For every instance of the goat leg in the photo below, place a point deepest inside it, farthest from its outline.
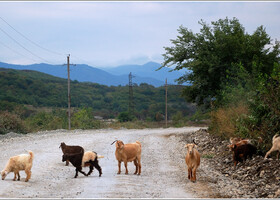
(119, 165)
(194, 175)
(136, 165)
(90, 170)
(18, 176)
(15, 177)
(28, 175)
(139, 167)
(125, 164)
(97, 166)
(76, 175)
(189, 173)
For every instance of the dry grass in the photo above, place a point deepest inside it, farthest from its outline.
(224, 119)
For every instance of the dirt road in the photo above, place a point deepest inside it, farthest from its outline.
(164, 173)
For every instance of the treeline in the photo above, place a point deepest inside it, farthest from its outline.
(38, 98)
(235, 78)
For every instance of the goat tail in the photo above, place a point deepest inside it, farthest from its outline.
(31, 155)
(275, 136)
(138, 143)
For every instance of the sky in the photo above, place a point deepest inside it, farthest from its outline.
(113, 33)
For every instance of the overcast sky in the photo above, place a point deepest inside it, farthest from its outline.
(103, 34)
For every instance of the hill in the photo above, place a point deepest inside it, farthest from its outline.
(111, 77)
(147, 70)
(27, 87)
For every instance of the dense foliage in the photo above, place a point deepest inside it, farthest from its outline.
(234, 75)
(213, 54)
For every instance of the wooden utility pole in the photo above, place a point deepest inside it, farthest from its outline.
(69, 97)
(166, 103)
(130, 100)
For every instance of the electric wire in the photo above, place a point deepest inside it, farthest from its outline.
(23, 46)
(54, 52)
(14, 50)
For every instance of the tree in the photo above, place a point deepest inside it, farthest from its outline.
(212, 55)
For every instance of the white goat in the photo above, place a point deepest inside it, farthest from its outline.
(18, 163)
(275, 146)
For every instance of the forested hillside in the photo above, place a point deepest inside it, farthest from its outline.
(42, 90)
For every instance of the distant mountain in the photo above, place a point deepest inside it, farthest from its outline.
(147, 70)
(111, 77)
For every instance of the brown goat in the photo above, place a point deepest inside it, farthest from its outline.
(67, 149)
(192, 160)
(241, 152)
(275, 146)
(128, 153)
(239, 143)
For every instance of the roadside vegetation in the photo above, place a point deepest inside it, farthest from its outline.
(234, 77)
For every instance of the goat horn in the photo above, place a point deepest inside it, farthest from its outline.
(114, 142)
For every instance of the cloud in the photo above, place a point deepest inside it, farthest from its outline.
(112, 33)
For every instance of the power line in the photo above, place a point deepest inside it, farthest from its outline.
(15, 51)
(31, 40)
(23, 46)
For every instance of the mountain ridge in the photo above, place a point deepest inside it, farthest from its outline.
(111, 76)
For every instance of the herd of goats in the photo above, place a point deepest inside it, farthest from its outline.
(241, 149)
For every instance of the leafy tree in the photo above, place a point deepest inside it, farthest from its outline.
(212, 55)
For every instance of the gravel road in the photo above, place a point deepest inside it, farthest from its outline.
(164, 172)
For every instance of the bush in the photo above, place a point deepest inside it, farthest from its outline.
(84, 119)
(125, 117)
(251, 109)
(46, 121)
(264, 107)
(11, 123)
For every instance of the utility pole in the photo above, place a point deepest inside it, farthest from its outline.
(69, 95)
(166, 103)
(131, 101)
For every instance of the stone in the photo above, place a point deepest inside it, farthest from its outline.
(262, 173)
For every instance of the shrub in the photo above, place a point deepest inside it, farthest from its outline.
(11, 123)
(46, 121)
(125, 117)
(84, 119)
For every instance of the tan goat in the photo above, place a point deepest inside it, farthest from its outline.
(192, 161)
(275, 146)
(128, 153)
(18, 163)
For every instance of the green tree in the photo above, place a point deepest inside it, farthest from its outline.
(214, 53)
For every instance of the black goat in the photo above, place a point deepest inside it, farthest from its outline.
(67, 149)
(76, 160)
